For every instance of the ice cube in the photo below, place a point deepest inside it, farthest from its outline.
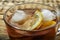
(18, 16)
(48, 15)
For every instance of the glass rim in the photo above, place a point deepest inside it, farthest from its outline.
(11, 25)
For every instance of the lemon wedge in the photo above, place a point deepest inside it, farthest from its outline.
(48, 23)
(34, 22)
(38, 21)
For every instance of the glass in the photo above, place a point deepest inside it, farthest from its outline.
(15, 33)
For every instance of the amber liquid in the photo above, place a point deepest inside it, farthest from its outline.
(15, 34)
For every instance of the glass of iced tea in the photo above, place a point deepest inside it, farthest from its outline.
(31, 21)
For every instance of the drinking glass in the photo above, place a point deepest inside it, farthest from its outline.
(47, 33)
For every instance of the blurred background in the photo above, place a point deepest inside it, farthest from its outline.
(5, 4)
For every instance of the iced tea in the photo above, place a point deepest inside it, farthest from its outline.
(32, 24)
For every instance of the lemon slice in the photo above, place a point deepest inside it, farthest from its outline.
(34, 22)
(48, 23)
(38, 21)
